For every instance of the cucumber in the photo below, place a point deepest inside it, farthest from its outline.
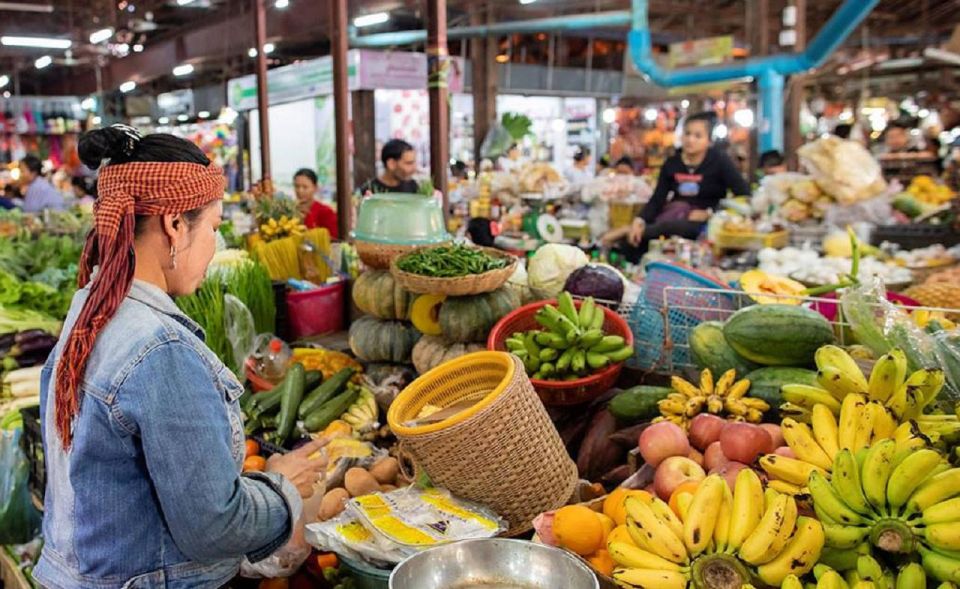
(324, 392)
(312, 379)
(638, 403)
(290, 402)
(332, 409)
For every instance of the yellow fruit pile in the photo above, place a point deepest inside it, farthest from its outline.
(927, 190)
(727, 398)
(284, 227)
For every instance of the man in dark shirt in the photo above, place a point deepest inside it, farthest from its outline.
(399, 165)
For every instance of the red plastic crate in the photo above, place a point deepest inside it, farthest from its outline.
(315, 312)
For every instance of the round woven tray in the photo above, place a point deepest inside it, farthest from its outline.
(460, 286)
(378, 256)
(504, 452)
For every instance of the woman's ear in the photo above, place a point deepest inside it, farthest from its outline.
(173, 227)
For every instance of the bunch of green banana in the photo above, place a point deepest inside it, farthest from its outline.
(897, 496)
(364, 413)
(736, 536)
(867, 573)
(904, 397)
(727, 397)
(572, 343)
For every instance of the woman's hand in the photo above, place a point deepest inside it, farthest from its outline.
(299, 468)
(698, 215)
(610, 238)
(636, 231)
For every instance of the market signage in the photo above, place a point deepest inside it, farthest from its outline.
(709, 51)
(366, 70)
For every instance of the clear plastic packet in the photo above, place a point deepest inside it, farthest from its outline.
(413, 519)
(344, 453)
(347, 536)
(241, 333)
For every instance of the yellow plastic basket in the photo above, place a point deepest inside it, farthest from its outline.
(503, 452)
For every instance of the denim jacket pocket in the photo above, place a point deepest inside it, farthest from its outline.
(149, 580)
(232, 389)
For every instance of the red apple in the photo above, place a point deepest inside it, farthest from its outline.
(714, 457)
(775, 435)
(729, 472)
(743, 442)
(675, 471)
(785, 451)
(695, 456)
(705, 429)
(661, 441)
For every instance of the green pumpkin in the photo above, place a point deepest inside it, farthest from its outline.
(378, 340)
(470, 319)
(432, 351)
(376, 293)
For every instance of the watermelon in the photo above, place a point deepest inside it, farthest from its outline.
(778, 335)
(709, 349)
(765, 383)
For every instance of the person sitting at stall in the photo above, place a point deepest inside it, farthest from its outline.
(511, 160)
(581, 171)
(772, 162)
(142, 430)
(399, 161)
(38, 194)
(843, 130)
(625, 166)
(84, 190)
(691, 184)
(896, 139)
(315, 213)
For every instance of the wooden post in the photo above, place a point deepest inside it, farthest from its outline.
(438, 64)
(364, 137)
(758, 35)
(483, 60)
(263, 102)
(795, 91)
(341, 104)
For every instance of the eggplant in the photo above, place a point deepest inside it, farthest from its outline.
(33, 347)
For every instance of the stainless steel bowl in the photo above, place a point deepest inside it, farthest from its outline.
(494, 563)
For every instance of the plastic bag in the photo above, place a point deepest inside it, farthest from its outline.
(241, 333)
(19, 519)
(843, 169)
(946, 346)
(496, 143)
(288, 558)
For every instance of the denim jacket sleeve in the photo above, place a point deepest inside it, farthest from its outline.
(172, 401)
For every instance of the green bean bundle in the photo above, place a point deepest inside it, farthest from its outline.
(450, 262)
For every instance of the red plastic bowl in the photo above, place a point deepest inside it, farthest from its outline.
(829, 309)
(574, 392)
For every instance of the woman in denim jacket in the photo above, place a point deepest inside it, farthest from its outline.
(142, 430)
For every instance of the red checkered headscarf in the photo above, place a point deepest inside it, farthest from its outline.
(125, 190)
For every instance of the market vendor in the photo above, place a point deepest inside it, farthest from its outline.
(142, 430)
(692, 182)
(399, 161)
(38, 194)
(315, 213)
(580, 171)
(772, 162)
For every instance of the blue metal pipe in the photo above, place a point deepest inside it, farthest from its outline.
(597, 20)
(770, 71)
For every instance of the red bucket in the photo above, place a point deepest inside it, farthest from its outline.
(316, 312)
(574, 392)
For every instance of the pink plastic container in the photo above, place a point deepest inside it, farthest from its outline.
(316, 312)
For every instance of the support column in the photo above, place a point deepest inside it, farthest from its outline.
(483, 61)
(341, 106)
(364, 136)
(758, 36)
(771, 111)
(438, 66)
(795, 91)
(263, 103)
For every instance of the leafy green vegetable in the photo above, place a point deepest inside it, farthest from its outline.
(14, 320)
(518, 125)
(9, 288)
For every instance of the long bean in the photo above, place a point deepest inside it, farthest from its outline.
(450, 262)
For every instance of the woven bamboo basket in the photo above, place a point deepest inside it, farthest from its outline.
(503, 452)
(378, 256)
(460, 286)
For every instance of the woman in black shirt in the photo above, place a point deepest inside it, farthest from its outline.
(691, 182)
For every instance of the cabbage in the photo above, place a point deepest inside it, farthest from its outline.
(599, 281)
(550, 267)
(520, 284)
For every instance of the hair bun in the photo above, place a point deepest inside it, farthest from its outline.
(110, 143)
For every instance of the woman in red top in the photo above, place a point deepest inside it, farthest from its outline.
(315, 213)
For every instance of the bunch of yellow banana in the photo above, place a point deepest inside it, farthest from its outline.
(901, 499)
(868, 573)
(363, 414)
(735, 536)
(726, 398)
(284, 227)
(888, 398)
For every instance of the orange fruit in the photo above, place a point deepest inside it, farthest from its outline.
(608, 525)
(254, 463)
(602, 562)
(578, 528)
(687, 487)
(620, 534)
(252, 448)
(614, 508)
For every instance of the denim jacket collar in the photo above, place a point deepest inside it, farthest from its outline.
(153, 297)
